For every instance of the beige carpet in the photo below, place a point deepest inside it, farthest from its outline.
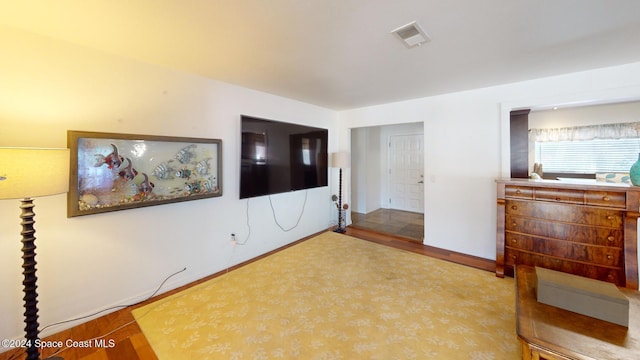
(338, 297)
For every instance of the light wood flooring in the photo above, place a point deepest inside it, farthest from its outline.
(131, 344)
(405, 224)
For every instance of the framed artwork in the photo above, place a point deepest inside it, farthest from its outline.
(112, 171)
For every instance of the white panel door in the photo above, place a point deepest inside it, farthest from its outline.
(406, 172)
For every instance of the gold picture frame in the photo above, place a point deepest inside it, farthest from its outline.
(111, 171)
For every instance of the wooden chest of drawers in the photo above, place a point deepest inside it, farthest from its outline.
(583, 229)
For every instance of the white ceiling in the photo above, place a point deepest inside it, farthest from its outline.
(340, 54)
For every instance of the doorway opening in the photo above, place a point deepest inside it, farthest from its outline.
(387, 179)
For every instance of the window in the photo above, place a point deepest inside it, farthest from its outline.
(587, 156)
(587, 149)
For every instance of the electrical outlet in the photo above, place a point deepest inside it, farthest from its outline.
(233, 239)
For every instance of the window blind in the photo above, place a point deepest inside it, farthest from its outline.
(588, 156)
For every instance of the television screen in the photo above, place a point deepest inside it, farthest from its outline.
(279, 157)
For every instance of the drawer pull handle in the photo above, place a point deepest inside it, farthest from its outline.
(610, 238)
(558, 199)
(609, 256)
(514, 225)
(610, 276)
(514, 241)
(514, 207)
(610, 217)
(606, 198)
(518, 191)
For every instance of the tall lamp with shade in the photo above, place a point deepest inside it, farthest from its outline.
(340, 160)
(26, 173)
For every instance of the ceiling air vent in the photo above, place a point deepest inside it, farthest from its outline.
(411, 35)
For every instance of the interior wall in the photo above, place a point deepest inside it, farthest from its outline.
(365, 169)
(375, 171)
(92, 262)
(467, 145)
(359, 142)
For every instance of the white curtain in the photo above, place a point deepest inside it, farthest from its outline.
(606, 131)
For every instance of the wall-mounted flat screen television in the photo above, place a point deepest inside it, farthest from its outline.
(279, 157)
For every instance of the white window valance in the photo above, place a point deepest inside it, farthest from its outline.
(590, 132)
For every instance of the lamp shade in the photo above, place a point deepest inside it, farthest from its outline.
(30, 172)
(340, 159)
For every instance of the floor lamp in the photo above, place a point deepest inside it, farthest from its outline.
(26, 173)
(340, 160)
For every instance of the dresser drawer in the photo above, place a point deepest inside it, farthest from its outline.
(610, 274)
(522, 192)
(559, 230)
(564, 213)
(600, 255)
(571, 196)
(614, 199)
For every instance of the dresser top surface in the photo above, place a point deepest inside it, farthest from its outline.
(585, 184)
